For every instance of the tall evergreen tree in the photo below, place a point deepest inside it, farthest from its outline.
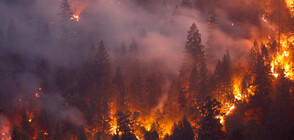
(210, 126)
(194, 85)
(66, 15)
(120, 90)
(278, 124)
(102, 63)
(124, 126)
(100, 92)
(153, 88)
(194, 56)
(194, 48)
(203, 87)
(183, 130)
(152, 134)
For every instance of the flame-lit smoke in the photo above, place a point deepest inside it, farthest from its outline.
(5, 128)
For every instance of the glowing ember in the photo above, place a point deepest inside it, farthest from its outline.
(37, 95)
(46, 133)
(263, 18)
(75, 17)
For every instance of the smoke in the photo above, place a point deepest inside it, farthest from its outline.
(4, 127)
(159, 32)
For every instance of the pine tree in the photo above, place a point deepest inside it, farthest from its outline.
(103, 66)
(183, 130)
(124, 126)
(100, 92)
(223, 77)
(194, 48)
(152, 134)
(194, 85)
(57, 133)
(279, 117)
(15, 134)
(120, 90)
(194, 56)
(261, 81)
(82, 134)
(66, 15)
(153, 88)
(227, 77)
(210, 126)
(203, 87)
(137, 88)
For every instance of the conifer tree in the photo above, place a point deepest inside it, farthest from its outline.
(125, 124)
(210, 126)
(120, 89)
(183, 130)
(66, 15)
(194, 48)
(194, 85)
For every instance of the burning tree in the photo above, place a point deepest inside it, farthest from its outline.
(210, 126)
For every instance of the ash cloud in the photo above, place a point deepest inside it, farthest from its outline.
(159, 32)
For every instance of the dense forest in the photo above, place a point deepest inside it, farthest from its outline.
(146, 69)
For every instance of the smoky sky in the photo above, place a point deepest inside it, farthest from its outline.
(158, 31)
(160, 34)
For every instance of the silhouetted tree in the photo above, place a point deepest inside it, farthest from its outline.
(82, 134)
(193, 47)
(124, 126)
(66, 15)
(153, 88)
(210, 126)
(152, 134)
(120, 89)
(203, 87)
(261, 81)
(57, 133)
(279, 122)
(194, 88)
(15, 134)
(182, 131)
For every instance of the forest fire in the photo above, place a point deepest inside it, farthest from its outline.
(220, 71)
(282, 59)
